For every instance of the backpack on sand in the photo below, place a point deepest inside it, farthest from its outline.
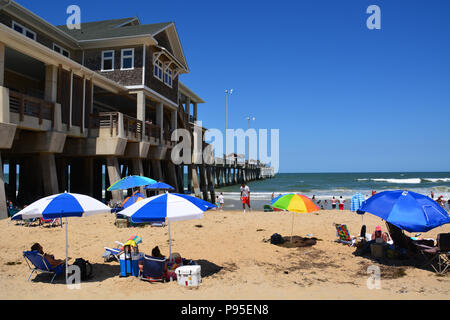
(84, 265)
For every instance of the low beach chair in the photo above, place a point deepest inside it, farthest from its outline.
(49, 222)
(437, 257)
(113, 253)
(344, 235)
(268, 208)
(37, 263)
(30, 222)
(153, 269)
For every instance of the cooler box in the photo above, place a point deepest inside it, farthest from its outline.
(130, 265)
(377, 250)
(189, 276)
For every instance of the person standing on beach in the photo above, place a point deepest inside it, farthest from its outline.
(432, 195)
(341, 203)
(221, 201)
(333, 203)
(245, 196)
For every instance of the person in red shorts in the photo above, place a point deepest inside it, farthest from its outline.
(341, 203)
(245, 196)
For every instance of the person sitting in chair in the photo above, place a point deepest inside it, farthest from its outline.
(378, 233)
(49, 257)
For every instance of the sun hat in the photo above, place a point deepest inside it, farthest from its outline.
(378, 228)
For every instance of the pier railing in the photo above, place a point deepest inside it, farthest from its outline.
(31, 106)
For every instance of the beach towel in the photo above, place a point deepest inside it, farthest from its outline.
(133, 241)
(343, 232)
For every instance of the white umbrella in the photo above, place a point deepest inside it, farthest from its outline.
(62, 205)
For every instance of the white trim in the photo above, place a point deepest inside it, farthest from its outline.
(24, 30)
(167, 67)
(127, 57)
(61, 49)
(109, 58)
(83, 114)
(143, 63)
(156, 94)
(158, 64)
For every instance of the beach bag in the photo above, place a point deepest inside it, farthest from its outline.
(84, 265)
(276, 239)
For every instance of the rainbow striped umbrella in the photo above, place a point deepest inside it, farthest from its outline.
(294, 202)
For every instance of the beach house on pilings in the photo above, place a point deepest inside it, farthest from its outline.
(79, 109)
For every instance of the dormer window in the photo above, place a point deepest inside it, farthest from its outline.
(107, 60)
(127, 59)
(25, 31)
(158, 70)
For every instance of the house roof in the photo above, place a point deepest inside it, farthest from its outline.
(107, 29)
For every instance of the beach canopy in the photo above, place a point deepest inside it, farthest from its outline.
(294, 202)
(170, 206)
(131, 182)
(410, 211)
(160, 186)
(63, 205)
(137, 196)
(357, 201)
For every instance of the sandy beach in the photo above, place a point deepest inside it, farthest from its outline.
(237, 262)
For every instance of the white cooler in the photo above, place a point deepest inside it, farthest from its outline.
(189, 276)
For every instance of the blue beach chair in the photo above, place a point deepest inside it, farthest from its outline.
(152, 269)
(37, 262)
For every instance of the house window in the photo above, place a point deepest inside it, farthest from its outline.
(127, 60)
(61, 50)
(107, 60)
(25, 31)
(158, 70)
(168, 77)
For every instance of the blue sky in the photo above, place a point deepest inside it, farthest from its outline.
(345, 98)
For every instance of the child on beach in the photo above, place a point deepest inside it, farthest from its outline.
(221, 201)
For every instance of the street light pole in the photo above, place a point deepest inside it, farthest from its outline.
(227, 92)
(248, 119)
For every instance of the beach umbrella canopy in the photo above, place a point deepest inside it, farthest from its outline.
(131, 182)
(170, 206)
(62, 205)
(357, 201)
(160, 185)
(294, 202)
(410, 211)
(137, 196)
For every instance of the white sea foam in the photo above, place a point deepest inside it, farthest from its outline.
(401, 181)
(437, 179)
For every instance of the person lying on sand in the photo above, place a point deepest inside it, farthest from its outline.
(49, 257)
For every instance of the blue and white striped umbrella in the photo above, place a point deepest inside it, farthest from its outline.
(170, 206)
(63, 205)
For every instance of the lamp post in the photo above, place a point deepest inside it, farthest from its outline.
(248, 119)
(227, 93)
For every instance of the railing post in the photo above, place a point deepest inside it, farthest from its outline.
(22, 107)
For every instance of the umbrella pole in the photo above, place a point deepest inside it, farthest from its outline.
(292, 227)
(67, 250)
(170, 244)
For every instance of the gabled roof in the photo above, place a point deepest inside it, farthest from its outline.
(107, 29)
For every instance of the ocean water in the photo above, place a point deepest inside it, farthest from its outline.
(326, 185)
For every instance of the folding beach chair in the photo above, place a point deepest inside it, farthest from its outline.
(152, 269)
(267, 208)
(437, 257)
(49, 222)
(37, 263)
(113, 253)
(344, 235)
(30, 222)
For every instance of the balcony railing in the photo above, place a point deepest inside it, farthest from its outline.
(152, 131)
(110, 120)
(31, 106)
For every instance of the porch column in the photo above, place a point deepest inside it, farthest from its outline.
(51, 83)
(3, 208)
(138, 169)
(173, 121)
(160, 120)
(2, 64)
(140, 110)
(195, 110)
(188, 107)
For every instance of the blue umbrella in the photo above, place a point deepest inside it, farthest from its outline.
(131, 182)
(160, 185)
(407, 210)
(170, 206)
